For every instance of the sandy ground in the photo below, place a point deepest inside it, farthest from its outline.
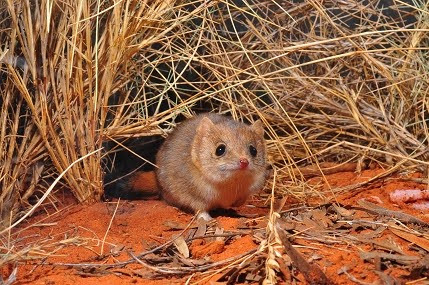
(81, 234)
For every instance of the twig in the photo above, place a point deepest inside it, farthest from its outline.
(403, 259)
(312, 273)
(390, 213)
(199, 268)
(108, 228)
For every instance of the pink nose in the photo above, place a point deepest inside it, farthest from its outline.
(243, 163)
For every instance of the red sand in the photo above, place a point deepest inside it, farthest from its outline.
(138, 225)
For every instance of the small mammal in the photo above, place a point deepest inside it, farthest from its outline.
(208, 162)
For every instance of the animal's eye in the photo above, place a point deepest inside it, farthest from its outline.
(220, 150)
(253, 151)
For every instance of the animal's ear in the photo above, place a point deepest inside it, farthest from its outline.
(205, 127)
(258, 127)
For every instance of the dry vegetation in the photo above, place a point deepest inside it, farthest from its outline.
(332, 80)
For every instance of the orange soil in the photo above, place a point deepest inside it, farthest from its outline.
(139, 225)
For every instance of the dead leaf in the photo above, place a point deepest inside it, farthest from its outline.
(202, 228)
(343, 211)
(172, 225)
(181, 246)
(310, 224)
(320, 217)
(219, 231)
(253, 277)
(116, 250)
(419, 241)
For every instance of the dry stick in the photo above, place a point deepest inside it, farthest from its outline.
(403, 259)
(417, 281)
(3, 54)
(183, 270)
(161, 270)
(390, 213)
(416, 180)
(45, 195)
(11, 279)
(108, 228)
(312, 273)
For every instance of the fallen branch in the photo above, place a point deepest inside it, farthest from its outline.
(402, 259)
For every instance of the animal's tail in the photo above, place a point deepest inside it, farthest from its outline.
(135, 185)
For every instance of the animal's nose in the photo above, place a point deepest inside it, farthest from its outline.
(244, 163)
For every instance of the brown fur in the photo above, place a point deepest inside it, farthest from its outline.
(194, 178)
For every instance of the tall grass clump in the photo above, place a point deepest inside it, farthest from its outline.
(61, 62)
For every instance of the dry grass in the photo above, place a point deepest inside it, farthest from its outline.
(333, 81)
